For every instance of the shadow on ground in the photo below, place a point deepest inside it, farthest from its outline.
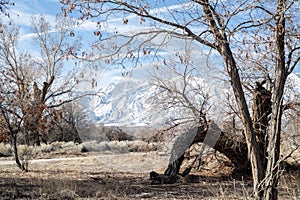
(121, 186)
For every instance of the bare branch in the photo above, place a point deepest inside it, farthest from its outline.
(289, 64)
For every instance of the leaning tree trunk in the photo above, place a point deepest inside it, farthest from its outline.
(235, 150)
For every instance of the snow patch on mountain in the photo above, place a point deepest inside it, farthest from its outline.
(132, 103)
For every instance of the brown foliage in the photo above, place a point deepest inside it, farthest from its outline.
(4, 137)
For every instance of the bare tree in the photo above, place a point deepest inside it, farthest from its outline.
(184, 93)
(50, 91)
(189, 98)
(266, 32)
(16, 76)
(30, 87)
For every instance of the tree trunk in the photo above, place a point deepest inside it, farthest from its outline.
(15, 149)
(272, 171)
(262, 106)
(252, 144)
(232, 70)
(36, 138)
(236, 151)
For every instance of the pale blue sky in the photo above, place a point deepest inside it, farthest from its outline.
(25, 9)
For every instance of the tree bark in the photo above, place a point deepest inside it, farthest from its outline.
(33, 118)
(235, 150)
(235, 81)
(16, 155)
(272, 170)
(262, 106)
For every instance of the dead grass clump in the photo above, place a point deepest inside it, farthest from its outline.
(56, 148)
(119, 147)
(5, 150)
(94, 146)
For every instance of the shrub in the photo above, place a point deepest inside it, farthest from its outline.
(5, 150)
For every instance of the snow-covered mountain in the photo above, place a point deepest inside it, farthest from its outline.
(125, 103)
(132, 103)
(135, 103)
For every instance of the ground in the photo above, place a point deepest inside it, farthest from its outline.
(111, 175)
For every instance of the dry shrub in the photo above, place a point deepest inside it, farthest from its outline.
(119, 147)
(117, 134)
(70, 148)
(5, 150)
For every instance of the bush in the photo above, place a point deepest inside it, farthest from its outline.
(117, 134)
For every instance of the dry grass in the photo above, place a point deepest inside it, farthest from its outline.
(5, 150)
(119, 170)
(105, 185)
(70, 149)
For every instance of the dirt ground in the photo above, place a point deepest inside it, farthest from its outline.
(122, 176)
